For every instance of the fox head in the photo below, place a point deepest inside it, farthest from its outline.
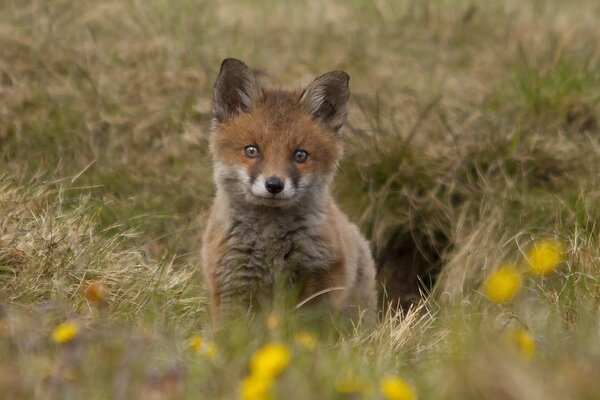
(272, 147)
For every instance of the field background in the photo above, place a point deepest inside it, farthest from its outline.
(473, 133)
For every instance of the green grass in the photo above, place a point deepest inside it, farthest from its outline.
(473, 133)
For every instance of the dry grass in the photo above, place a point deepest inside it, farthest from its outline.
(52, 250)
(473, 133)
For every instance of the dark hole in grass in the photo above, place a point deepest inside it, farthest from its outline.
(407, 267)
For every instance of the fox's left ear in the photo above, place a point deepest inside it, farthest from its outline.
(326, 99)
(237, 89)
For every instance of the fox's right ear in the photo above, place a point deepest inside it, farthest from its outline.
(326, 99)
(236, 90)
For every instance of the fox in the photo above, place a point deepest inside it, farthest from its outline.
(273, 222)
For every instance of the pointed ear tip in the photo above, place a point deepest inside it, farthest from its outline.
(231, 62)
(341, 75)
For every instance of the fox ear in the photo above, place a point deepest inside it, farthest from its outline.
(326, 99)
(236, 90)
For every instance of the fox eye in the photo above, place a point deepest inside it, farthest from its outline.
(251, 151)
(300, 156)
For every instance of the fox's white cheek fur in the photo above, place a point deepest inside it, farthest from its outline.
(288, 189)
(258, 187)
(234, 180)
(243, 176)
(219, 172)
(304, 182)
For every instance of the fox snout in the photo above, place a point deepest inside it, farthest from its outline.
(274, 187)
(274, 184)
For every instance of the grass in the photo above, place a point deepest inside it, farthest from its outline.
(473, 134)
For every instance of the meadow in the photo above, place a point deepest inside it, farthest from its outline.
(471, 159)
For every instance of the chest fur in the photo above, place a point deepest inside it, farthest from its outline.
(265, 247)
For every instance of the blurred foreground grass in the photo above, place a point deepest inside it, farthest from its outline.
(473, 135)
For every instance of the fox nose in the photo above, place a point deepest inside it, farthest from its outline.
(274, 184)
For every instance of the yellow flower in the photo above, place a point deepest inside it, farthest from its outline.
(394, 388)
(524, 341)
(199, 345)
(350, 384)
(544, 257)
(503, 284)
(256, 387)
(306, 340)
(210, 350)
(196, 343)
(270, 360)
(65, 332)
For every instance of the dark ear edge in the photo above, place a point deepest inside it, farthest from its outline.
(326, 99)
(236, 90)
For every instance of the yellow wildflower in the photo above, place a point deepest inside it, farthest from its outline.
(524, 341)
(255, 387)
(306, 340)
(544, 257)
(196, 343)
(395, 388)
(270, 360)
(350, 384)
(210, 350)
(65, 332)
(199, 345)
(503, 284)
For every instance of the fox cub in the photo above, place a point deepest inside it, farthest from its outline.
(274, 224)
